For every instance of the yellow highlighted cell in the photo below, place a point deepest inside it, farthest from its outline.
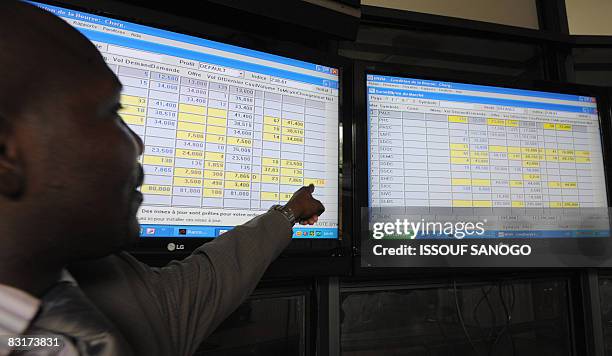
(188, 172)
(213, 193)
(563, 127)
(213, 183)
(293, 139)
(133, 110)
(567, 159)
(181, 153)
(481, 182)
(583, 154)
(458, 119)
(531, 164)
(270, 170)
(182, 116)
(531, 177)
(214, 174)
(552, 151)
(292, 180)
(240, 141)
(285, 196)
(270, 196)
(512, 123)
(482, 203)
(460, 160)
(133, 100)
(158, 160)
(512, 149)
(187, 182)
(214, 156)
(214, 165)
(459, 146)
(231, 184)
(216, 121)
(133, 119)
(271, 137)
(570, 204)
(238, 176)
(462, 203)
(555, 204)
(293, 123)
(568, 185)
(461, 181)
(269, 179)
(192, 109)
(583, 160)
(518, 204)
(156, 189)
(549, 126)
(272, 129)
(566, 152)
(292, 163)
(457, 153)
(270, 120)
(496, 122)
(479, 154)
(267, 161)
(292, 172)
(215, 138)
(316, 181)
(479, 161)
(498, 149)
(217, 112)
(554, 184)
(293, 131)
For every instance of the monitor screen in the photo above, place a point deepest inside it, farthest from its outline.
(228, 131)
(435, 144)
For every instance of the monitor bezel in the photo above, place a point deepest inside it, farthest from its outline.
(154, 250)
(362, 68)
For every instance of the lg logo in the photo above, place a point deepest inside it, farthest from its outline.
(172, 246)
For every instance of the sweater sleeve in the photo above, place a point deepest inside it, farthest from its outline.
(196, 294)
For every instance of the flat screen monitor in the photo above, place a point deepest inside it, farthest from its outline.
(466, 175)
(228, 131)
(444, 144)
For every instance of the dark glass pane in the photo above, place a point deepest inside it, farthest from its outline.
(448, 51)
(262, 326)
(605, 292)
(518, 318)
(593, 66)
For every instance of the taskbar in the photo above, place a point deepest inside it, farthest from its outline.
(182, 231)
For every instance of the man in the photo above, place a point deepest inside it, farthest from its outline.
(68, 179)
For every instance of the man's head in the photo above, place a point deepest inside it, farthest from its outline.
(68, 163)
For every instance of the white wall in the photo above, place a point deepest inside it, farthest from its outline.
(589, 17)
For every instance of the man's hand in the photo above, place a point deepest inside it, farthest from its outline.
(306, 208)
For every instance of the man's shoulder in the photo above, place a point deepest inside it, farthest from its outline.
(107, 269)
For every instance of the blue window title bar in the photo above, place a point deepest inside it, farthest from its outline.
(174, 51)
(481, 88)
(479, 100)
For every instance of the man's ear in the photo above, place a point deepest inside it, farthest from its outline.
(12, 180)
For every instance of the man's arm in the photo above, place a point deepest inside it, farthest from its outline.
(196, 294)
